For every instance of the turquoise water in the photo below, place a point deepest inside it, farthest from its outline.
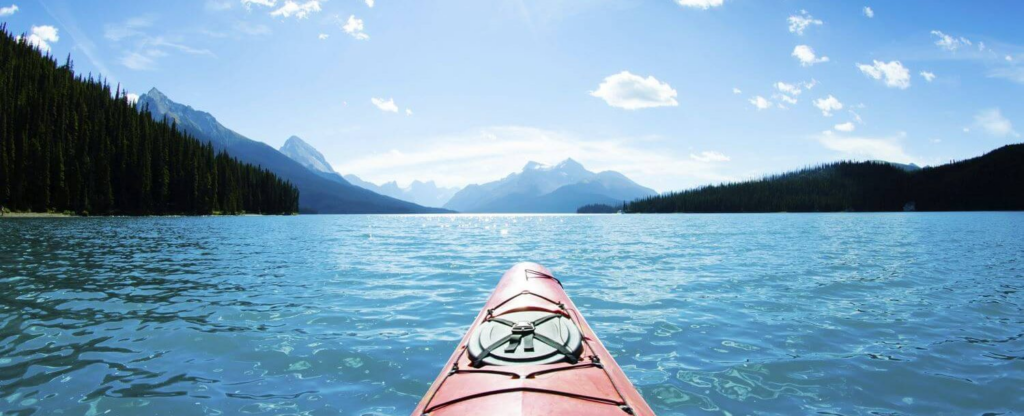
(887, 314)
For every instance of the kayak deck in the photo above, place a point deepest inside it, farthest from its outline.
(584, 380)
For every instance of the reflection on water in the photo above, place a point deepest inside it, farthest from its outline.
(354, 315)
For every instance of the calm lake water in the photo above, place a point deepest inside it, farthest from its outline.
(886, 314)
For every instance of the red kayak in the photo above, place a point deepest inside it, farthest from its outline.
(529, 352)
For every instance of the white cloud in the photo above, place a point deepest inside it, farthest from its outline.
(9, 10)
(138, 61)
(408, 112)
(868, 12)
(251, 29)
(805, 54)
(492, 153)
(950, 43)
(736, 91)
(708, 157)
(856, 117)
(633, 92)
(788, 93)
(895, 75)
(369, 3)
(132, 98)
(129, 28)
(872, 148)
(323, 36)
(300, 11)
(354, 27)
(992, 122)
(760, 102)
(41, 37)
(928, 76)
(700, 4)
(845, 127)
(143, 50)
(264, 3)
(1012, 73)
(1009, 58)
(385, 105)
(828, 105)
(799, 22)
(219, 5)
(787, 88)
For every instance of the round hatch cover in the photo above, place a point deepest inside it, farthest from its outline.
(523, 338)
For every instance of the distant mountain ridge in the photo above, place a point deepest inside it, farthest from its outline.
(317, 194)
(426, 193)
(991, 182)
(539, 188)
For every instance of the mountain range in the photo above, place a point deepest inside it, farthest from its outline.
(318, 193)
(540, 188)
(537, 188)
(427, 194)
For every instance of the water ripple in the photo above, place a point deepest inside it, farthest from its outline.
(840, 314)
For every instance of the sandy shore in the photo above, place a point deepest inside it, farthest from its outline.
(34, 215)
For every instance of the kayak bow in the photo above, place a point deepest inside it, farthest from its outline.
(529, 352)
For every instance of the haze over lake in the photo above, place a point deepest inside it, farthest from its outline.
(913, 313)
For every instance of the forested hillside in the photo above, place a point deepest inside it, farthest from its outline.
(71, 143)
(992, 182)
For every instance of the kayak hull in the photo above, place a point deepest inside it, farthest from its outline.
(594, 385)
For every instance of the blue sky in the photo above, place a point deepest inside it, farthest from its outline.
(673, 93)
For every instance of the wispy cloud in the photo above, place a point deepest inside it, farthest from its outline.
(950, 43)
(992, 122)
(1015, 74)
(143, 49)
(710, 156)
(66, 19)
(788, 93)
(828, 105)
(845, 127)
(264, 3)
(219, 5)
(889, 149)
(760, 103)
(633, 92)
(700, 4)
(298, 10)
(387, 106)
(800, 22)
(868, 12)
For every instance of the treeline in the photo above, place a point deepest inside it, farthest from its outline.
(599, 209)
(990, 182)
(70, 144)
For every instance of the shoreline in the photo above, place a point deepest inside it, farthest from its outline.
(35, 215)
(62, 215)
